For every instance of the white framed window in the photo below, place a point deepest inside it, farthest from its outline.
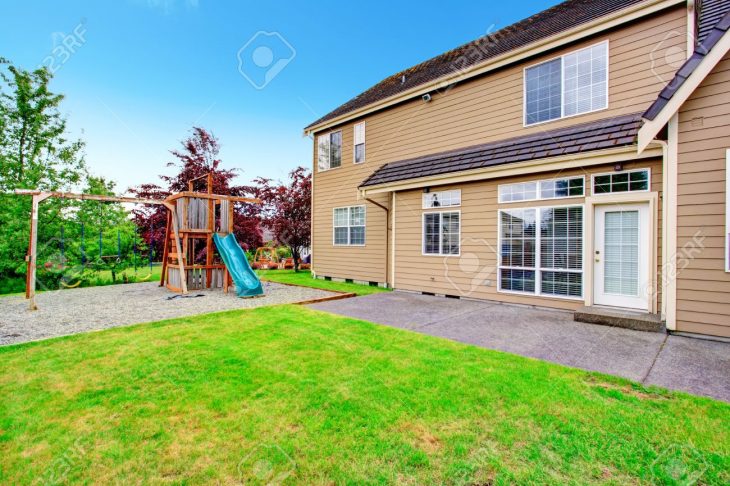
(638, 180)
(562, 187)
(569, 85)
(441, 233)
(348, 226)
(727, 210)
(518, 250)
(558, 188)
(358, 150)
(519, 191)
(541, 251)
(442, 199)
(329, 151)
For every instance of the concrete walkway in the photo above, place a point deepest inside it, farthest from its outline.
(692, 365)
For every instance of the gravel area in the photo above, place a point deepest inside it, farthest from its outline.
(67, 312)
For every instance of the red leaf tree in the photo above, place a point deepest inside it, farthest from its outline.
(197, 157)
(287, 210)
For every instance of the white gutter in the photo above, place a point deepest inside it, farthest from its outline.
(597, 157)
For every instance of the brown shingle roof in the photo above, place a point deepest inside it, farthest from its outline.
(603, 134)
(714, 24)
(557, 19)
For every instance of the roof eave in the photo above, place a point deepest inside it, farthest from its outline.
(651, 127)
(610, 21)
(597, 157)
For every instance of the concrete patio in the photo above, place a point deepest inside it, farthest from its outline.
(696, 366)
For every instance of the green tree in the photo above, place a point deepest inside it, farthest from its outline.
(34, 153)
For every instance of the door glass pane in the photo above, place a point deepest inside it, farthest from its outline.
(621, 259)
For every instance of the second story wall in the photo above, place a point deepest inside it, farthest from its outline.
(492, 107)
(642, 57)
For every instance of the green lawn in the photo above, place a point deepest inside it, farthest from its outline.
(287, 393)
(142, 273)
(305, 278)
(91, 279)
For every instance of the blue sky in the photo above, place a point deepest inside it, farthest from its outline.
(138, 74)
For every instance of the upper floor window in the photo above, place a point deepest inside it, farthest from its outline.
(349, 226)
(442, 199)
(569, 85)
(329, 151)
(628, 181)
(359, 144)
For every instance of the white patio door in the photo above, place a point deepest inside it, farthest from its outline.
(621, 256)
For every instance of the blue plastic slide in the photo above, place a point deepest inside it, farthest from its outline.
(247, 283)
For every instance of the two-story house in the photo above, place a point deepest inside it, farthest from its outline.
(576, 159)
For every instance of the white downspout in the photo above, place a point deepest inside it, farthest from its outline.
(393, 240)
(669, 295)
(665, 225)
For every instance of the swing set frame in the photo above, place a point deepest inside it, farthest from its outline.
(173, 232)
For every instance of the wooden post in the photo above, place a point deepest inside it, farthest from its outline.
(231, 225)
(178, 248)
(33, 250)
(209, 237)
(209, 243)
(27, 257)
(165, 250)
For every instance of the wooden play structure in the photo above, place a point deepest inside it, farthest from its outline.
(192, 219)
(197, 216)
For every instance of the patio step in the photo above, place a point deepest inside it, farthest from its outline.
(638, 321)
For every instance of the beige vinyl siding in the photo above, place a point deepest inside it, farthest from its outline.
(338, 188)
(481, 110)
(479, 231)
(703, 287)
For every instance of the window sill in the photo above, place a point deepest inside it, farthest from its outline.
(541, 296)
(545, 200)
(602, 194)
(319, 171)
(530, 125)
